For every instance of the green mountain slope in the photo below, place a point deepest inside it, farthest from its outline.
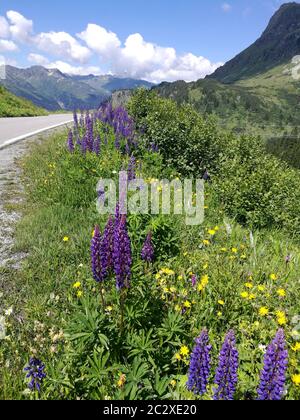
(12, 106)
(279, 43)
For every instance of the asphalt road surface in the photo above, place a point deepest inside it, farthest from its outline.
(13, 130)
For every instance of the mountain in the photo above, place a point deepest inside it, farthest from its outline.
(12, 106)
(279, 43)
(256, 91)
(54, 90)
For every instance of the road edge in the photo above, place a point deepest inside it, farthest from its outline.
(32, 134)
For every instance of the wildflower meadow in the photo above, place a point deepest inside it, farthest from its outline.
(126, 306)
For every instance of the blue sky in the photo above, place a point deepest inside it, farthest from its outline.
(157, 39)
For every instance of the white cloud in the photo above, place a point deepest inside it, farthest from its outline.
(74, 70)
(136, 57)
(20, 28)
(38, 59)
(7, 46)
(100, 40)
(63, 45)
(226, 7)
(4, 28)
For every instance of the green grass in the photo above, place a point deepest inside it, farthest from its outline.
(86, 349)
(12, 106)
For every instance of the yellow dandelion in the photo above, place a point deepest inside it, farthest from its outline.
(187, 304)
(264, 311)
(249, 285)
(66, 239)
(296, 380)
(212, 232)
(184, 351)
(281, 293)
(245, 295)
(221, 302)
(296, 347)
(273, 277)
(234, 250)
(77, 285)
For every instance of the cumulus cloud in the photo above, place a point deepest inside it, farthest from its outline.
(100, 40)
(74, 70)
(38, 59)
(7, 46)
(136, 57)
(4, 28)
(20, 28)
(62, 44)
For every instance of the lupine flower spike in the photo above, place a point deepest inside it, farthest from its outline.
(273, 375)
(226, 376)
(70, 142)
(122, 254)
(199, 371)
(36, 373)
(148, 250)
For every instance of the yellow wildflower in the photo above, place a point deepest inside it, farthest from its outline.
(223, 249)
(77, 285)
(261, 288)
(184, 351)
(180, 278)
(205, 267)
(204, 280)
(178, 308)
(296, 347)
(245, 295)
(273, 277)
(216, 228)
(66, 239)
(249, 285)
(252, 296)
(187, 304)
(281, 293)
(173, 290)
(220, 314)
(221, 302)
(122, 381)
(234, 250)
(296, 380)
(212, 232)
(79, 294)
(173, 383)
(177, 356)
(109, 308)
(206, 242)
(281, 318)
(264, 311)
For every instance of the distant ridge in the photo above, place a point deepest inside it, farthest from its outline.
(54, 90)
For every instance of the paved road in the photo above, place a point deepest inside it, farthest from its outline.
(16, 129)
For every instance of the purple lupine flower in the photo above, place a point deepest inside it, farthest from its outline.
(199, 371)
(36, 373)
(90, 132)
(148, 250)
(194, 280)
(122, 253)
(96, 259)
(131, 169)
(273, 374)
(75, 118)
(107, 247)
(97, 145)
(226, 376)
(70, 142)
(83, 145)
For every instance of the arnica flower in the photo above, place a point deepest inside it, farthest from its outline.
(36, 373)
(96, 255)
(148, 250)
(273, 375)
(70, 142)
(122, 253)
(226, 376)
(199, 371)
